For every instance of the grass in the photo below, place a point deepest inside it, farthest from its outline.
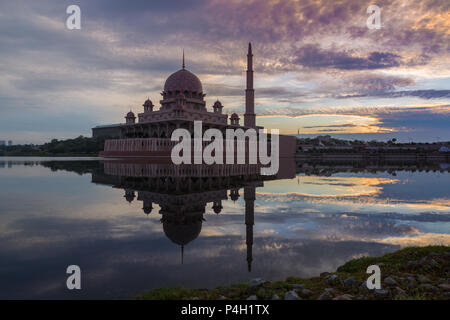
(432, 262)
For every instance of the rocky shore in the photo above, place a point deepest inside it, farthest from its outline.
(416, 273)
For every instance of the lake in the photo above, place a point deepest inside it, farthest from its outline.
(134, 226)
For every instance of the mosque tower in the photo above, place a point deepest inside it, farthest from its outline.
(249, 116)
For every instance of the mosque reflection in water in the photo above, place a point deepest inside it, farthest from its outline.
(184, 191)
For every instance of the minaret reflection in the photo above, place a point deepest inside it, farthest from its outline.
(183, 192)
(249, 196)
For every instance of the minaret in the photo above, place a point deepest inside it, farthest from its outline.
(249, 116)
(249, 196)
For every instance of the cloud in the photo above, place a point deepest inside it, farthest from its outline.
(307, 54)
(312, 56)
(425, 94)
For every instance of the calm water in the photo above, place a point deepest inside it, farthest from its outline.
(136, 226)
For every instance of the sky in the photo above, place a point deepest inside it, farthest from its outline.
(318, 68)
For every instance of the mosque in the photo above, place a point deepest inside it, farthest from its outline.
(183, 192)
(183, 102)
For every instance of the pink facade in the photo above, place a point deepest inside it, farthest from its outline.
(182, 103)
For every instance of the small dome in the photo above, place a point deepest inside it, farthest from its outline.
(218, 104)
(147, 210)
(182, 81)
(148, 102)
(130, 114)
(234, 116)
(217, 209)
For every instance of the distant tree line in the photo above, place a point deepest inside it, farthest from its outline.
(70, 147)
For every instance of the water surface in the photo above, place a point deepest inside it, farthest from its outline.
(133, 227)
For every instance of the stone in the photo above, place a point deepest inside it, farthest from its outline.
(412, 285)
(434, 254)
(333, 279)
(411, 279)
(324, 274)
(326, 295)
(275, 297)
(306, 293)
(256, 282)
(350, 282)
(253, 297)
(222, 298)
(195, 298)
(412, 264)
(297, 286)
(423, 279)
(444, 286)
(291, 295)
(344, 297)
(428, 287)
(364, 285)
(381, 292)
(433, 262)
(390, 281)
(399, 291)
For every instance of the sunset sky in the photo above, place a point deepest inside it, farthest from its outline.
(318, 68)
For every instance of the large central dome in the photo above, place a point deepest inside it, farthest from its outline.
(182, 81)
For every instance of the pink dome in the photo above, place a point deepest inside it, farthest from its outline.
(182, 81)
(130, 115)
(234, 116)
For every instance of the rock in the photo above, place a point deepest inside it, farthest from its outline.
(423, 279)
(412, 264)
(381, 292)
(433, 262)
(297, 286)
(444, 286)
(412, 285)
(324, 274)
(333, 279)
(434, 254)
(344, 297)
(291, 295)
(275, 297)
(253, 297)
(399, 291)
(428, 287)
(390, 281)
(306, 293)
(195, 298)
(326, 295)
(411, 279)
(350, 282)
(256, 282)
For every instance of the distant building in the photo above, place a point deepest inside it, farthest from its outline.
(10, 143)
(326, 138)
(2, 143)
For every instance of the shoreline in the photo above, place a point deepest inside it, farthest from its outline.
(414, 273)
